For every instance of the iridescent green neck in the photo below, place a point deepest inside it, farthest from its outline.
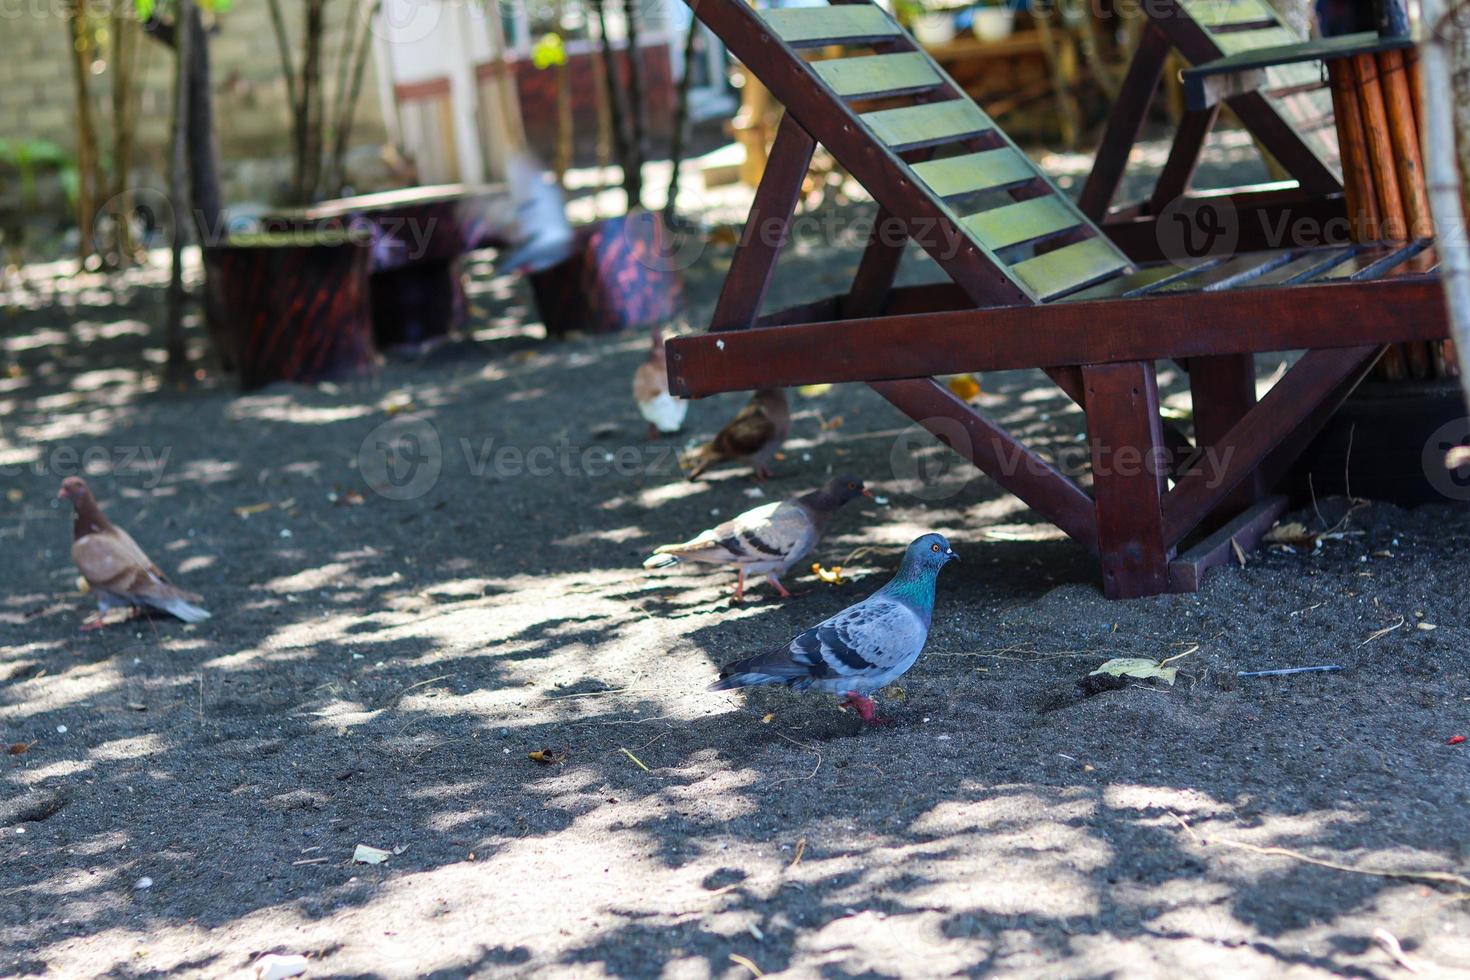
(913, 582)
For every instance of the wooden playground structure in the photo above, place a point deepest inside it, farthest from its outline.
(1093, 296)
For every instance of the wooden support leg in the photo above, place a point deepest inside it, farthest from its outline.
(879, 264)
(1223, 389)
(1128, 471)
(1130, 110)
(1179, 169)
(766, 228)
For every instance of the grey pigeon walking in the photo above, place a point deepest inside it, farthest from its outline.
(865, 647)
(766, 540)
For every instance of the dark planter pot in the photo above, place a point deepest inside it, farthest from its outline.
(1388, 442)
(292, 312)
(622, 273)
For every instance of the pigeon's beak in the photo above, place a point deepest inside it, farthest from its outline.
(867, 493)
(61, 494)
(952, 555)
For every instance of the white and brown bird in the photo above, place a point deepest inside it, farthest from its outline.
(115, 567)
(767, 540)
(755, 434)
(663, 412)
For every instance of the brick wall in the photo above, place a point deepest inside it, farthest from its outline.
(38, 99)
(537, 89)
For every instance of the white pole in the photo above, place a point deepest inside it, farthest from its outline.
(1442, 174)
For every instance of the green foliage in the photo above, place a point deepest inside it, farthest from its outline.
(27, 157)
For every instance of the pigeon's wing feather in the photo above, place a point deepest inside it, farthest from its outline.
(746, 434)
(866, 640)
(111, 561)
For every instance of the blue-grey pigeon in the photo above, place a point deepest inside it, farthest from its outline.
(765, 540)
(863, 648)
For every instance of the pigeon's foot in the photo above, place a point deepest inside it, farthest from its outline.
(776, 584)
(653, 432)
(739, 587)
(761, 472)
(94, 623)
(866, 708)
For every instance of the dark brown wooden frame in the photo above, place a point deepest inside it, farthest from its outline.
(1099, 345)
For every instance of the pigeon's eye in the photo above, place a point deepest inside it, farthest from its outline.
(852, 486)
(934, 547)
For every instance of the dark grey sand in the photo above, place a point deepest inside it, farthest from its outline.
(378, 672)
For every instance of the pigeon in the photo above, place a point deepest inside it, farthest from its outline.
(865, 647)
(664, 413)
(768, 539)
(755, 434)
(115, 567)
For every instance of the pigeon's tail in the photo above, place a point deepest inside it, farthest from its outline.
(769, 668)
(701, 459)
(658, 560)
(177, 605)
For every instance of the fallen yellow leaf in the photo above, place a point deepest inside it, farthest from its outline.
(965, 387)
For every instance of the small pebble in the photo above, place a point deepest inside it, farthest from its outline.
(61, 729)
(144, 883)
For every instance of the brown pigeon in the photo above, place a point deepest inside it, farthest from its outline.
(115, 567)
(755, 434)
(767, 540)
(664, 413)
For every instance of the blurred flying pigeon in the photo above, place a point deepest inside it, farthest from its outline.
(865, 647)
(663, 411)
(767, 540)
(755, 434)
(544, 234)
(115, 567)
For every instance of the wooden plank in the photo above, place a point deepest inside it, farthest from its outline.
(930, 124)
(971, 172)
(1253, 41)
(1304, 268)
(847, 23)
(1178, 325)
(1143, 281)
(879, 74)
(1210, 14)
(1129, 467)
(766, 227)
(1023, 221)
(1231, 273)
(994, 450)
(1187, 572)
(1071, 267)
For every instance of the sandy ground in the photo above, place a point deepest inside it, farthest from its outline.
(378, 671)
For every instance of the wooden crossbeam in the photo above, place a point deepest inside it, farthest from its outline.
(1238, 454)
(1184, 325)
(1003, 458)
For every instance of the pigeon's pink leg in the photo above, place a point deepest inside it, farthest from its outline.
(740, 586)
(653, 432)
(785, 592)
(866, 708)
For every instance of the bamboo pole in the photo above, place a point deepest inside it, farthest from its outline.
(1442, 174)
(1404, 135)
(1394, 226)
(1357, 177)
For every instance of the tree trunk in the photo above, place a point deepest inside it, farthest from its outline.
(87, 183)
(633, 165)
(124, 51)
(204, 190)
(177, 352)
(614, 91)
(347, 104)
(681, 121)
